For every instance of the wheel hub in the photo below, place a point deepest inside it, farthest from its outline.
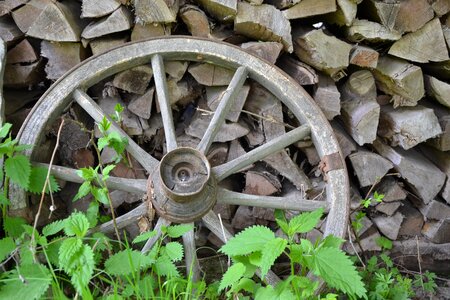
(182, 189)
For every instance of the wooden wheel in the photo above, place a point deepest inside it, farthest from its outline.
(173, 199)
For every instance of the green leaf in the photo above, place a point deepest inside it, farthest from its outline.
(92, 213)
(126, 262)
(232, 275)
(144, 236)
(7, 245)
(100, 194)
(82, 273)
(28, 282)
(107, 170)
(37, 181)
(177, 231)
(270, 253)
(76, 224)
(331, 241)
(102, 142)
(338, 271)
(269, 293)
(83, 190)
(244, 284)
(14, 226)
(281, 220)
(18, 169)
(104, 125)
(165, 267)
(4, 131)
(53, 227)
(384, 243)
(305, 222)
(250, 240)
(88, 174)
(3, 199)
(174, 251)
(67, 251)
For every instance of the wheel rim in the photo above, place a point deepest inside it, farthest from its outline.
(156, 51)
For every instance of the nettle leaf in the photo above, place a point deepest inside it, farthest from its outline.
(84, 269)
(14, 226)
(92, 213)
(165, 267)
(272, 250)
(68, 249)
(174, 251)
(102, 142)
(29, 282)
(77, 224)
(7, 245)
(338, 271)
(3, 199)
(305, 222)
(100, 194)
(18, 169)
(107, 170)
(331, 241)
(88, 174)
(126, 262)
(53, 227)
(232, 275)
(83, 190)
(4, 131)
(269, 293)
(244, 284)
(144, 236)
(177, 231)
(37, 181)
(250, 240)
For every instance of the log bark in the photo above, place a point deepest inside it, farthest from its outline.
(301, 72)
(442, 161)
(308, 8)
(224, 10)
(97, 9)
(345, 141)
(119, 20)
(438, 90)
(195, 20)
(156, 11)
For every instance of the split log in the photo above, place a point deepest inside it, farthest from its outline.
(435, 210)
(345, 13)
(23, 76)
(440, 70)
(103, 44)
(134, 80)
(223, 10)
(261, 183)
(364, 57)
(388, 208)
(301, 72)
(408, 126)
(130, 123)
(402, 80)
(360, 111)
(195, 20)
(9, 32)
(446, 32)
(211, 75)
(412, 15)
(235, 151)
(176, 69)
(424, 45)
(327, 97)
(312, 47)
(440, 7)
(17, 99)
(97, 9)
(72, 143)
(442, 161)
(23, 52)
(368, 243)
(61, 57)
(369, 167)
(280, 4)
(217, 154)
(346, 142)
(263, 22)
(421, 175)
(437, 232)
(383, 12)
(438, 90)
(364, 30)
(142, 105)
(389, 225)
(180, 92)
(413, 221)
(215, 94)
(9, 5)
(156, 11)
(243, 218)
(308, 8)
(145, 31)
(391, 190)
(266, 50)
(26, 15)
(118, 21)
(442, 141)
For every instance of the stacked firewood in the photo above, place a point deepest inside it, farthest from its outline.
(378, 69)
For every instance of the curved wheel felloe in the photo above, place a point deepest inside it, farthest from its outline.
(182, 186)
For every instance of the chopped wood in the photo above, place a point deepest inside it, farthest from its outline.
(311, 155)
(261, 183)
(210, 75)
(368, 243)
(308, 8)
(364, 30)
(263, 22)
(156, 11)
(366, 223)
(440, 70)
(301, 72)
(223, 10)
(440, 7)
(131, 124)
(388, 208)
(103, 44)
(389, 225)
(142, 105)
(61, 57)
(442, 141)
(176, 69)
(384, 12)
(438, 90)
(364, 57)
(280, 4)
(266, 50)
(413, 221)
(73, 138)
(97, 9)
(62, 17)
(401, 79)
(346, 143)
(424, 45)
(391, 190)
(217, 154)
(345, 13)
(180, 92)
(437, 232)
(412, 15)
(446, 32)
(17, 99)
(195, 20)
(23, 52)
(145, 31)
(23, 76)
(118, 21)
(255, 2)
(9, 32)
(26, 15)
(236, 151)
(435, 210)
(327, 97)
(360, 111)
(7, 6)
(421, 175)
(243, 217)
(408, 126)
(442, 161)
(134, 80)
(312, 47)
(369, 167)
(214, 96)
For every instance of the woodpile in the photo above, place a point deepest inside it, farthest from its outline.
(378, 69)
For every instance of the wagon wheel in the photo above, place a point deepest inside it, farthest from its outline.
(173, 199)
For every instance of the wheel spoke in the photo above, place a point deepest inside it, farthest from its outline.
(190, 254)
(89, 105)
(273, 146)
(164, 102)
(151, 241)
(137, 186)
(292, 201)
(212, 222)
(225, 104)
(124, 220)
